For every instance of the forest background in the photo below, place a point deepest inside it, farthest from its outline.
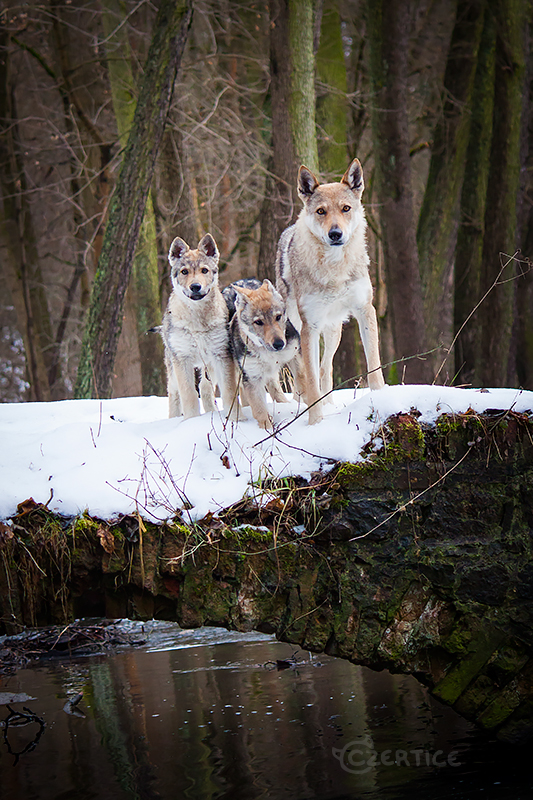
(125, 124)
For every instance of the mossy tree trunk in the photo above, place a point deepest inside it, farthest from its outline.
(389, 25)
(302, 86)
(128, 203)
(333, 154)
(331, 103)
(500, 235)
(145, 274)
(292, 109)
(467, 286)
(437, 224)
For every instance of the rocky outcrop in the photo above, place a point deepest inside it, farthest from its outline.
(418, 559)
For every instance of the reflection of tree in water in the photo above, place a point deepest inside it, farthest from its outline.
(210, 721)
(255, 732)
(121, 738)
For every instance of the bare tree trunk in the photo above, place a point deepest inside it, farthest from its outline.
(18, 249)
(292, 102)
(499, 241)
(175, 202)
(129, 199)
(524, 284)
(356, 74)
(467, 283)
(388, 33)
(437, 224)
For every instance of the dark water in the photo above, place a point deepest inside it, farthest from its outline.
(202, 714)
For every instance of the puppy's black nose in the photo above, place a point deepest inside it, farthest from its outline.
(195, 288)
(335, 234)
(278, 344)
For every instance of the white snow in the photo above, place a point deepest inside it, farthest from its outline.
(124, 456)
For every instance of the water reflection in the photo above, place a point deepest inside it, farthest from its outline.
(203, 714)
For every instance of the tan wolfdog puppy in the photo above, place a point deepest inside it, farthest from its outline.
(322, 272)
(262, 340)
(195, 332)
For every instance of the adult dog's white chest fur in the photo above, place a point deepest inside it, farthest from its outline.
(322, 308)
(335, 280)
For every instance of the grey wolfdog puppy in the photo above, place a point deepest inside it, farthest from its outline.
(263, 341)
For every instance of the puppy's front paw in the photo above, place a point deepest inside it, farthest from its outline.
(266, 423)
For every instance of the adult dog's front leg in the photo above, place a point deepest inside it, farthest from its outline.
(207, 393)
(332, 337)
(309, 339)
(368, 328)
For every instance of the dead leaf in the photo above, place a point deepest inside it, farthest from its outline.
(225, 461)
(26, 506)
(107, 540)
(275, 505)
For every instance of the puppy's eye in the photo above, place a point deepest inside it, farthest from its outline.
(258, 322)
(204, 271)
(321, 211)
(278, 317)
(184, 271)
(346, 209)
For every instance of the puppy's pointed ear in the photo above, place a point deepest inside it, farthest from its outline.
(307, 183)
(268, 285)
(208, 246)
(242, 297)
(178, 248)
(353, 177)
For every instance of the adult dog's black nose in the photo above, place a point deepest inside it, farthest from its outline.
(335, 235)
(195, 288)
(278, 344)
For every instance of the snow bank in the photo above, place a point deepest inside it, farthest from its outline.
(115, 457)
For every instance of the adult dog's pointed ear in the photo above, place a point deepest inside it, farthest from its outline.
(353, 177)
(307, 183)
(178, 248)
(208, 246)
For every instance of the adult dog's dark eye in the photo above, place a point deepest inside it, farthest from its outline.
(258, 322)
(278, 317)
(346, 209)
(184, 271)
(321, 211)
(205, 271)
